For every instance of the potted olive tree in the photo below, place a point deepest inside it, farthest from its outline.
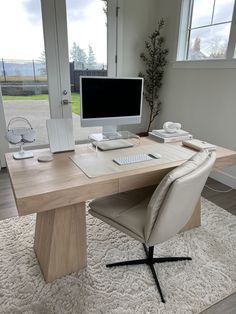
(155, 60)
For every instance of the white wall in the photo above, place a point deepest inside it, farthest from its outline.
(203, 100)
(139, 20)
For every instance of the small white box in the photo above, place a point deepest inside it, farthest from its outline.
(60, 135)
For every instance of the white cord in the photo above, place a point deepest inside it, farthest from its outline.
(219, 191)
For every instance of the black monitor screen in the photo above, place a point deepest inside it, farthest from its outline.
(111, 97)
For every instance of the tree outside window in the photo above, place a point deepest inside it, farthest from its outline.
(205, 29)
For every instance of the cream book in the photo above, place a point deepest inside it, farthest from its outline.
(199, 145)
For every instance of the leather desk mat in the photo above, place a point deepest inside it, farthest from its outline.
(101, 163)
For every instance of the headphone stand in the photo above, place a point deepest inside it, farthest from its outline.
(22, 154)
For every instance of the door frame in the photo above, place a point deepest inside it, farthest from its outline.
(3, 142)
(57, 57)
(115, 10)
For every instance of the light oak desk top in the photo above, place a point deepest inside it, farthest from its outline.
(57, 192)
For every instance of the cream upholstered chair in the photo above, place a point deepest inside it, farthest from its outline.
(154, 217)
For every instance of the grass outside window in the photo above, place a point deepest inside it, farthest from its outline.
(75, 100)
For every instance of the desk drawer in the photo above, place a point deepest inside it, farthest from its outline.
(67, 197)
(141, 180)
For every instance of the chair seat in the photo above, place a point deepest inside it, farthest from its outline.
(125, 211)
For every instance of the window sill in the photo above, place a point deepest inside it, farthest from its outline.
(205, 64)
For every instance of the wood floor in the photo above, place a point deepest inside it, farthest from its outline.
(224, 200)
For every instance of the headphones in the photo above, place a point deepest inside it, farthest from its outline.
(171, 127)
(20, 134)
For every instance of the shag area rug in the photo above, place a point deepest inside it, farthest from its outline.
(189, 287)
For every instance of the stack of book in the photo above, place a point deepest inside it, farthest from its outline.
(164, 137)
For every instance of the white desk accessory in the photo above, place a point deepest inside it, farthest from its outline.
(60, 135)
(20, 135)
(45, 158)
(199, 145)
(171, 127)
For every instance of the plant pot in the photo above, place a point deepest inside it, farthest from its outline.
(142, 134)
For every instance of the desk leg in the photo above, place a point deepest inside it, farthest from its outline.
(195, 220)
(60, 241)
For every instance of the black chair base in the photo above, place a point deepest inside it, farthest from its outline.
(150, 261)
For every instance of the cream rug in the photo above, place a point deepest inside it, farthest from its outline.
(189, 287)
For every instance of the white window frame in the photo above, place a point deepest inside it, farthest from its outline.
(184, 18)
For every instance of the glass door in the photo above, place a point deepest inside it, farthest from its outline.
(77, 35)
(91, 48)
(23, 73)
(87, 44)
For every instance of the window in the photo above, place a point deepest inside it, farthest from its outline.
(207, 30)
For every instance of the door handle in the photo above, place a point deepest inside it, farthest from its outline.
(66, 102)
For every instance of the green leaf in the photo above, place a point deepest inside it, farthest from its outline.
(155, 59)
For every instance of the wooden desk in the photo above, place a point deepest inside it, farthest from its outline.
(57, 192)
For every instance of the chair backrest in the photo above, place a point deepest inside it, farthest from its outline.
(174, 200)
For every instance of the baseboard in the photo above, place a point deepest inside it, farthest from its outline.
(224, 178)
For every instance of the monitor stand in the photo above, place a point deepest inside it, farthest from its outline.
(108, 132)
(113, 144)
(111, 139)
(109, 129)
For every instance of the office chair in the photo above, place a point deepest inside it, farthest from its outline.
(154, 217)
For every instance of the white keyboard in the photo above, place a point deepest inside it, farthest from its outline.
(130, 159)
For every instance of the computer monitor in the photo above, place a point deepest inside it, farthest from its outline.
(110, 101)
